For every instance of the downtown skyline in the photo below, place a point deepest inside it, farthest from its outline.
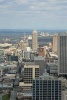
(33, 14)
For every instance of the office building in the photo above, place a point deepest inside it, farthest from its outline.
(46, 88)
(30, 72)
(41, 62)
(26, 55)
(52, 68)
(34, 40)
(62, 54)
(32, 54)
(55, 40)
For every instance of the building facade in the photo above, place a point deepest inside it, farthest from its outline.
(46, 89)
(26, 54)
(62, 54)
(55, 46)
(34, 40)
(41, 62)
(30, 72)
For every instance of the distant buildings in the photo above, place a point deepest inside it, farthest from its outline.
(29, 55)
(10, 51)
(34, 40)
(46, 88)
(11, 58)
(26, 55)
(49, 44)
(23, 45)
(55, 40)
(62, 54)
(5, 45)
(52, 68)
(32, 54)
(41, 51)
(53, 55)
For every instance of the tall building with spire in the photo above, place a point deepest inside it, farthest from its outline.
(34, 40)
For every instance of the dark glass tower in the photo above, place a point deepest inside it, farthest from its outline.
(46, 89)
(62, 54)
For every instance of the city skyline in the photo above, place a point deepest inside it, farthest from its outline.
(33, 14)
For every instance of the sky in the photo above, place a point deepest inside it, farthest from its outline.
(33, 14)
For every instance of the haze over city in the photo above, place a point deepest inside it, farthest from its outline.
(33, 14)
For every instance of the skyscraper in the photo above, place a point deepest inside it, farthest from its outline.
(34, 41)
(62, 54)
(55, 40)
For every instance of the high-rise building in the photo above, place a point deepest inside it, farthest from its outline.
(39, 60)
(55, 40)
(34, 40)
(46, 88)
(62, 54)
(30, 72)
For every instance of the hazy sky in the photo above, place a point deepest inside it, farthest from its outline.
(34, 14)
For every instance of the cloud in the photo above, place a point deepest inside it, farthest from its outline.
(34, 6)
(1, 0)
(33, 3)
(21, 1)
(3, 7)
